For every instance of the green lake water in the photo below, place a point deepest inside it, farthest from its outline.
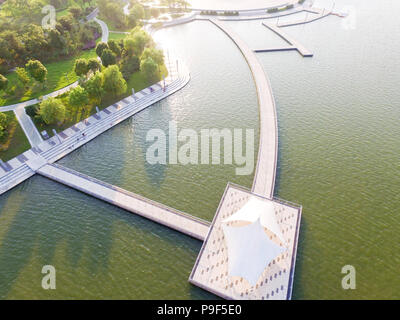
(339, 143)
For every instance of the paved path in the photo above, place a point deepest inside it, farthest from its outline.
(104, 29)
(264, 177)
(287, 48)
(28, 126)
(172, 218)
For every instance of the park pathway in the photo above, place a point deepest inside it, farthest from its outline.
(28, 126)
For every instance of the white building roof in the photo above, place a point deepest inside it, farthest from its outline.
(249, 250)
(255, 209)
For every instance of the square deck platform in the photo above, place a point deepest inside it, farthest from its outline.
(210, 271)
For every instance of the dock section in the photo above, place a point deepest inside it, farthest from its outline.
(172, 218)
(316, 14)
(300, 48)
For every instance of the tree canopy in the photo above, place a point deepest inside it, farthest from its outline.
(108, 58)
(114, 83)
(36, 70)
(150, 69)
(81, 67)
(78, 97)
(101, 46)
(3, 82)
(52, 110)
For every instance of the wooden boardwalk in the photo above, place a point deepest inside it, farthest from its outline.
(172, 218)
(264, 177)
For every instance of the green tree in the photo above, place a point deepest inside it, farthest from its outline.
(141, 39)
(114, 82)
(36, 70)
(3, 82)
(94, 86)
(52, 110)
(129, 65)
(22, 76)
(94, 65)
(150, 69)
(81, 67)
(114, 47)
(101, 46)
(129, 47)
(137, 11)
(108, 58)
(76, 12)
(78, 97)
(155, 54)
(4, 121)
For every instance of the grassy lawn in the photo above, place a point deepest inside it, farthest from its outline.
(62, 13)
(56, 79)
(16, 142)
(116, 36)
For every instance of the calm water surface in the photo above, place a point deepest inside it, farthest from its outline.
(339, 143)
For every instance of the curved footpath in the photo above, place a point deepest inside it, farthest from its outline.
(264, 177)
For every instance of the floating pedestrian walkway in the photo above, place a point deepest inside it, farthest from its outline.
(172, 218)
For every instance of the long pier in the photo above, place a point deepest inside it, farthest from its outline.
(264, 178)
(288, 48)
(172, 218)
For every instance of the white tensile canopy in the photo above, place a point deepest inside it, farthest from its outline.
(256, 209)
(249, 250)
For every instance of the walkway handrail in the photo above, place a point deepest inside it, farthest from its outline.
(131, 194)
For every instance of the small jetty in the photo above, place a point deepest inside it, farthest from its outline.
(299, 47)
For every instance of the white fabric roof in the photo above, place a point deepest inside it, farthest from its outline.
(249, 250)
(259, 209)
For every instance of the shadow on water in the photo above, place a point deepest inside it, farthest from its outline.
(156, 120)
(35, 229)
(35, 233)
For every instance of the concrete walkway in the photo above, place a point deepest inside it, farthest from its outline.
(264, 177)
(28, 126)
(172, 218)
(294, 43)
